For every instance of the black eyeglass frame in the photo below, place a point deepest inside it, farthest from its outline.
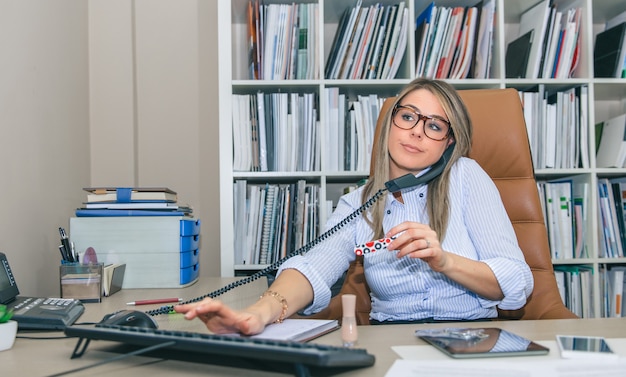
(420, 117)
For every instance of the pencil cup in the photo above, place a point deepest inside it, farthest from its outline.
(81, 281)
(349, 334)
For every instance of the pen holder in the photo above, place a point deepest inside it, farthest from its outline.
(81, 281)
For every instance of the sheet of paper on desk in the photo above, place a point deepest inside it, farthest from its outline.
(426, 361)
(501, 368)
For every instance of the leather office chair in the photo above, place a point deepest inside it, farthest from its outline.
(500, 145)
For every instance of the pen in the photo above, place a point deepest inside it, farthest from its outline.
(62, 251)
(66, 245)
(155, 301)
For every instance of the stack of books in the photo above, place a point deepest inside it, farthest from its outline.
(132, 201)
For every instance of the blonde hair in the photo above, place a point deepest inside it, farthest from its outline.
(437, 198)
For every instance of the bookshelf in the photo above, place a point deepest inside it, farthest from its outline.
(605, 99)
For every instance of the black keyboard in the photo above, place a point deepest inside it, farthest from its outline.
(295, 353)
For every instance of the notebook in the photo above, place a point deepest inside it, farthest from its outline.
(36, 313)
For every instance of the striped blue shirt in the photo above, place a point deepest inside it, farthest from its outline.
(406, 288)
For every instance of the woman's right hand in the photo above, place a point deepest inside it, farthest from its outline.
(220, 319)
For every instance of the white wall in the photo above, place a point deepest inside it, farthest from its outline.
(153, 105)
(44, 147)
(104, 92)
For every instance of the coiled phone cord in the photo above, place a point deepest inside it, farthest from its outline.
(274, 266)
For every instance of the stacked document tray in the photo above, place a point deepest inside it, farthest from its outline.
(159, 251)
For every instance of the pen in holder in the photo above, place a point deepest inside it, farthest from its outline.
(349, 334)
(81, 281)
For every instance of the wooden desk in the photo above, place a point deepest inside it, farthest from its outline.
(30, 357)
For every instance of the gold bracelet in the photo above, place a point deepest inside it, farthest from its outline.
(282, 301)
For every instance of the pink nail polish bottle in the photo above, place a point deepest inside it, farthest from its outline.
(349, 334)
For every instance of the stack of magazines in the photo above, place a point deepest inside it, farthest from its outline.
(132, 201)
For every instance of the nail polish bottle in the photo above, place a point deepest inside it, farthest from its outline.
(349, 334)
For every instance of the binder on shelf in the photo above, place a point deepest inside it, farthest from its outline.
(612, 148)
(615, 277)
(609, 52)
(517, 54)
(535, 19)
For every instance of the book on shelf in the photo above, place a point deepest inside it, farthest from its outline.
(451, 39)
(354, 43)
(463, 60)
(517, 54)
(618, 186)
(609, 226)
(484, 43)
(547, 37)
(574, 282)
(535, 19)
(390, 27)
(298, 330)
(397, 43)
(129, 194)
(424, 23)
(612, 147)
(554, 34)
(253, 47)
(400, 47)
(615, 277)
(376, 50)
(610, 51)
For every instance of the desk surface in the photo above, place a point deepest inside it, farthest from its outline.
(38, 357)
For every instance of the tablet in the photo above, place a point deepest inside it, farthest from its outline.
(462, 343)
(584, 347)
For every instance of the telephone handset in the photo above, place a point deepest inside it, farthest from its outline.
(394, 185)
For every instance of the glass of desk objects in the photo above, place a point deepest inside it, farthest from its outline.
(81, 281)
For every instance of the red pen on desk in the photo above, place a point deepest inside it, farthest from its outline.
(155, 301)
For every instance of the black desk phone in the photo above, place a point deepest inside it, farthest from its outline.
(36, 313)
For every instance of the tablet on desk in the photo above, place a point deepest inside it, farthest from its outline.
(461, 343)
(584, 347)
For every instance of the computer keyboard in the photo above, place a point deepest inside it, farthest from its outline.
(301, 355)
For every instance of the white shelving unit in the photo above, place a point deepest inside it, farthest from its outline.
(606, 100)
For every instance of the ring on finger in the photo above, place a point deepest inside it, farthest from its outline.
(427, 243)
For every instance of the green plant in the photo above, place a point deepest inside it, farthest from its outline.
(5, 314)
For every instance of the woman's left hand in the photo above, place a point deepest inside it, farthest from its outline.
(417, 240)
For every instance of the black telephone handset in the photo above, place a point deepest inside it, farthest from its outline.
(394, 185)
(409, 180)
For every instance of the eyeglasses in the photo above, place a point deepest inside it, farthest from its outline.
(407, 118)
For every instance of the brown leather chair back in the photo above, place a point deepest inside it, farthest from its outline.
(500, 145)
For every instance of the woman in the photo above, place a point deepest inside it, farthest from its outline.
(454, 254)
